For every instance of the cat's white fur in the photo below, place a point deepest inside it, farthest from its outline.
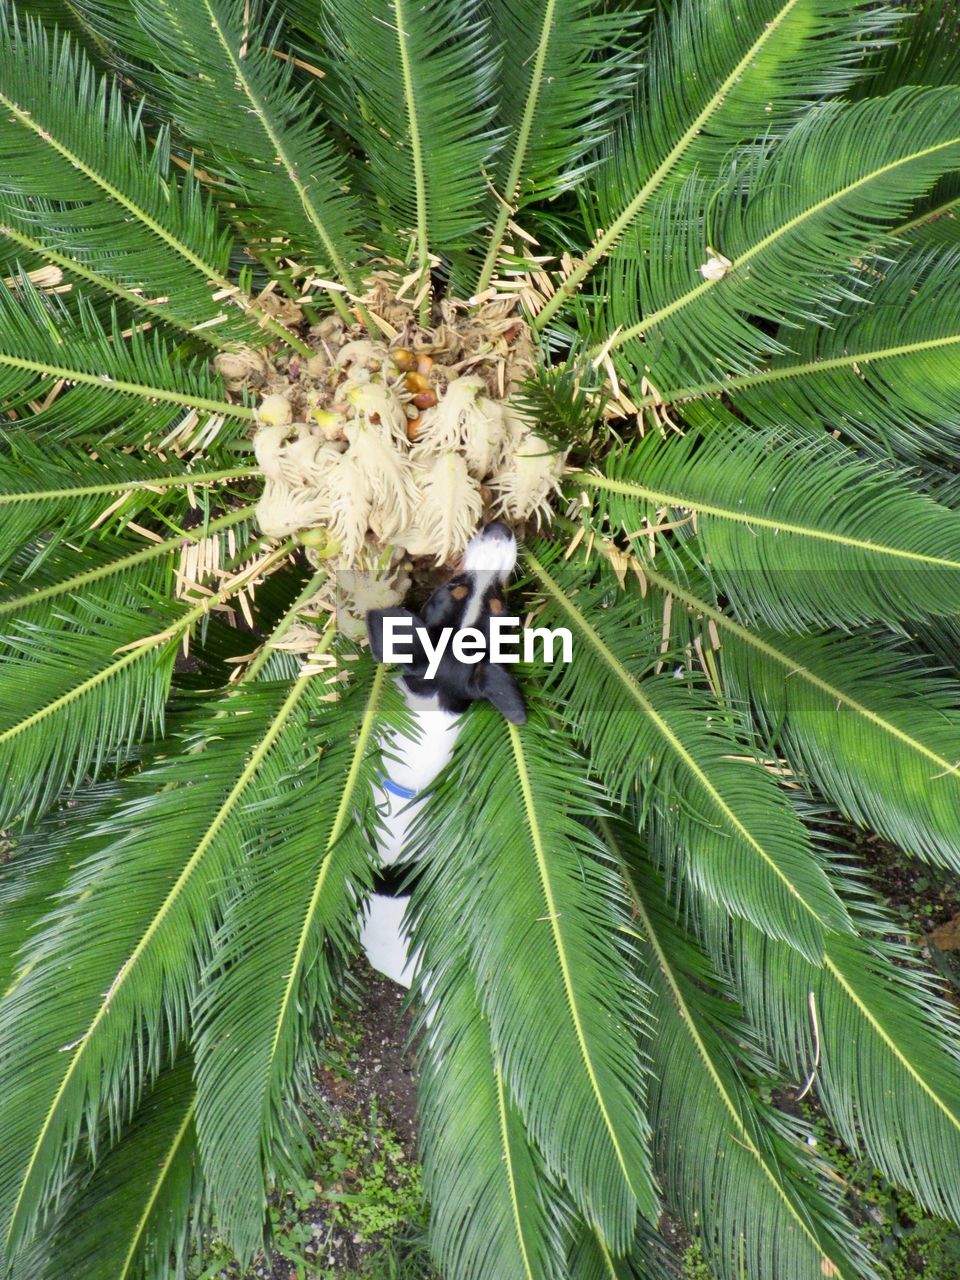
(411, 763)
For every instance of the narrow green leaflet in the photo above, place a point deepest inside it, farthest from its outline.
(56, 13)
(28, 246)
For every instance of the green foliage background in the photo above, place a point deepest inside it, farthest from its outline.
(634, 918)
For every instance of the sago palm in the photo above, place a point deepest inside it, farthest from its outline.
(700, 264)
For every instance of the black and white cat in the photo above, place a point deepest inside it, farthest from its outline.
(436, 701)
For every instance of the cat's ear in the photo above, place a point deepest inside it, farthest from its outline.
(497, 686)
(403, 627)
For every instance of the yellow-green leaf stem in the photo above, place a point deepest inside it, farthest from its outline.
(340, 821)
(520, 150)
(416, 149)
(105, 383)
(728, 386)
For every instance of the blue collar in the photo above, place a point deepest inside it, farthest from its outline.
(404, 793)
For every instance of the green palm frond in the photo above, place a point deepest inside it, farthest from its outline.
(54, 570)
(287, 931)
(925, 52)
(874, 1035)
(796, 531)
(509, 823)
(566, 75)
(60, 14)
(133, 1213)
(71, 670)
(28, 885)
(893, 763)
(65, 491)
(29, 240)
(261, 137)
(651, 1259)
(719, 74)
(708, 251)
(420, 79)
(134, 384)
(766, 1208)
(67, 137)
(140, 961)
(102, 664)
(883, 374)
(891, 722)
(790, 219)
(496, 1211)
(718, 821)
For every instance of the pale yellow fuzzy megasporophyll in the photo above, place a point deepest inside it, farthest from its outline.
(389, 452)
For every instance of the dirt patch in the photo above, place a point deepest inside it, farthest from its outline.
(385, 1066)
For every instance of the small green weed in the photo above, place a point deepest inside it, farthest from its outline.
(367, 1179)
(909, 1241)
(363, 1189)
(693, 1263)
